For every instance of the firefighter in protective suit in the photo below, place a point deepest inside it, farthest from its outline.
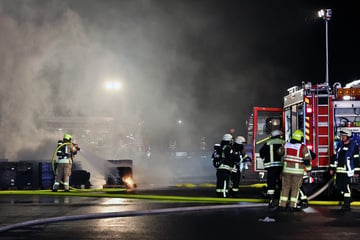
(66, 151)
(224, 170)
(216, 161)
(240, 157)
(297, 158)
(273, 164)
(344, 164)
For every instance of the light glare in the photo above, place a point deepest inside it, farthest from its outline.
(321, 13)
(113, 85)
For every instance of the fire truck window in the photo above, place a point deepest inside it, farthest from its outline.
(293, 118)
(272, 123)
(300, 117)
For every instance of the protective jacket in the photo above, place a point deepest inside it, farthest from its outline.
(227, 156)
(269, 152)
(346, 158)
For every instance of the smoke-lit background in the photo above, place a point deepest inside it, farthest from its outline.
(206, 63)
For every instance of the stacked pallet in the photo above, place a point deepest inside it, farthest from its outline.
(37, 175)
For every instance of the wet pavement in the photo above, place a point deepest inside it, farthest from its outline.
(127, 218)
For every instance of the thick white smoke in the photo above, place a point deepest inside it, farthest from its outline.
(42, 67)
(53, 63)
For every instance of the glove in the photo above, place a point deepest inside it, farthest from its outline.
(77, 146)
(350, 173)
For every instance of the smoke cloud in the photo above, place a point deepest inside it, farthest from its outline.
(55, 58)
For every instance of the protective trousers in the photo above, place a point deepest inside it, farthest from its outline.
(273, 180)
(342, 182)
(63, 172)
(222, 182)
(235, 180)
(290, 184)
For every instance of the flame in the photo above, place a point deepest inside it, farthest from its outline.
(128, 181)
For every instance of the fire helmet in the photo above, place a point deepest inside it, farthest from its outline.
(217, 146)
(346, 132)
(276, 133)
(240, 140)
(67, 137)
(227, 137)
(297, 135)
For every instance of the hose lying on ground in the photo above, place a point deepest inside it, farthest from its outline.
(124, 214)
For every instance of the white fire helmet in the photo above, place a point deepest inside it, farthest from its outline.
(240, 140)
(276, 133)
(227, 137)
(346, 132)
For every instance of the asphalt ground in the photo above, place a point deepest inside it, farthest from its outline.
(178, 212)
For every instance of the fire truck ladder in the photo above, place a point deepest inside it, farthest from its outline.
(322, 126)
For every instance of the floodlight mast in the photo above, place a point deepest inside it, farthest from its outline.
(326, 15)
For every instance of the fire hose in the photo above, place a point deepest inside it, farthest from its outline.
(124, 214)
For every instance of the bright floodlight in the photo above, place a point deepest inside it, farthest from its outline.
(112, 85)
(325, 14)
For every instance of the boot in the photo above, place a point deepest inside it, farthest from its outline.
(304, 203)
(272, 203)
(346, 205)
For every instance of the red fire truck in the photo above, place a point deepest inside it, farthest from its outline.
(320, 111)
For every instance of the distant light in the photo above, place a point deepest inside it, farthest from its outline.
(346, 97)
(179, 121)
(308, 110)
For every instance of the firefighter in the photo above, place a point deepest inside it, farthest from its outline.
(239, 157)
(224, 170)
(273, 164)
(216, 161)
(344, 164)
(66, 151)
(296, 158)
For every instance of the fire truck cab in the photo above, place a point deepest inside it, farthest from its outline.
(320, 112)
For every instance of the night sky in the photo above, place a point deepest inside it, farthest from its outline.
(205, 62)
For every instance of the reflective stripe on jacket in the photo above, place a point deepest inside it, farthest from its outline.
(225, 167)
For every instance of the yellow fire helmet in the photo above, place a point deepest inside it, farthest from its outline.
(67, 137)
(297, 135)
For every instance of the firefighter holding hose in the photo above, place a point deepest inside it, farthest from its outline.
(65, 152)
